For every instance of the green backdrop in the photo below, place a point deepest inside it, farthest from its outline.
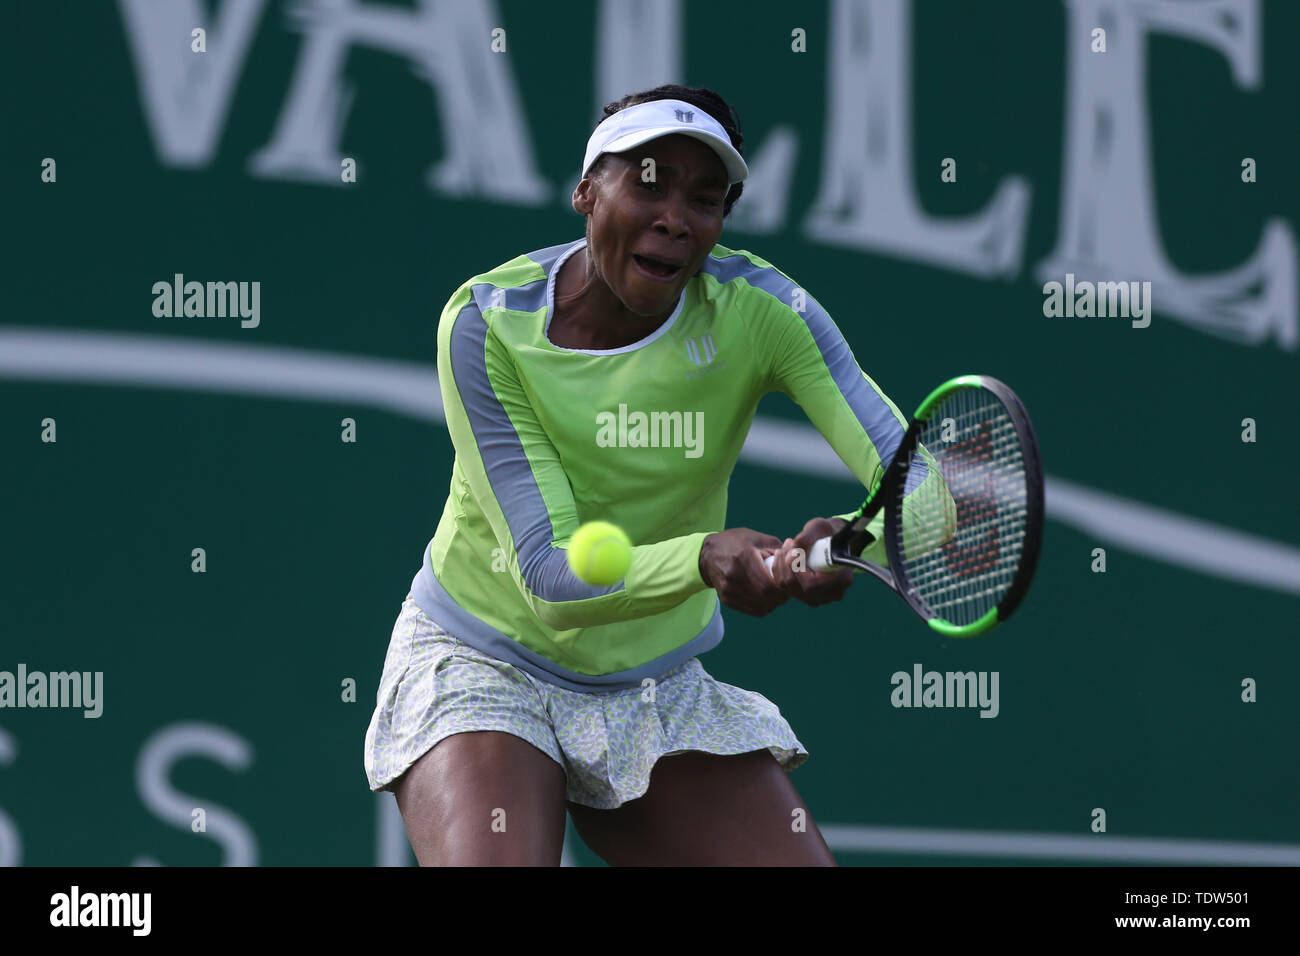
(1119, 690)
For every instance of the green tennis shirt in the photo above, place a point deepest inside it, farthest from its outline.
(645, 436)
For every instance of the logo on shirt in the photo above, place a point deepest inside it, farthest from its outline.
(700, 352)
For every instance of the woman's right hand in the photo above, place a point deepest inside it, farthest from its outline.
(731, 562)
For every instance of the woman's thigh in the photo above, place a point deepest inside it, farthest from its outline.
(704, 809)
(484, 798)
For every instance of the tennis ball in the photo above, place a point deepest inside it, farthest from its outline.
(599, 553)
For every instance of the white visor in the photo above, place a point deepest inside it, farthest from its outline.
(646, 121)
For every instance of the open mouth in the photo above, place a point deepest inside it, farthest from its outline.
(664, 270)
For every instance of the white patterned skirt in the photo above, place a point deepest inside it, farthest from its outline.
(434, 685)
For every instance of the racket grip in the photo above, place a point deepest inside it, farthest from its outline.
(819, 556)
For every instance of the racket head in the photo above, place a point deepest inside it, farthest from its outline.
(963, 550)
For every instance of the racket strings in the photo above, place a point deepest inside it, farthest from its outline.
(941, 593)
(963, 535)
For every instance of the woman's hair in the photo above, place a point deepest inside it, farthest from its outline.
(705, 99)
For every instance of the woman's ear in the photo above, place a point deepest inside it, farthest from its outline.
(583, 199)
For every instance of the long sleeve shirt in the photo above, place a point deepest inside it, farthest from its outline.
(645, 436)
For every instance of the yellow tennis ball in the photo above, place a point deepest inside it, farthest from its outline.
(599, 553)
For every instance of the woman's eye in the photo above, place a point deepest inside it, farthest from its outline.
(653, 187)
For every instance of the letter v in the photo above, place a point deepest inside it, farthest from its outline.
(186, 95)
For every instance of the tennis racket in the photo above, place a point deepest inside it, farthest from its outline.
(963, 503)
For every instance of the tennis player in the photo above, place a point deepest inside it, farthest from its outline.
(615, 378)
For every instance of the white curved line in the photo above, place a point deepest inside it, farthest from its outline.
(152, 361)
(411, 389)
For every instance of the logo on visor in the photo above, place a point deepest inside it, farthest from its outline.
(685, 116)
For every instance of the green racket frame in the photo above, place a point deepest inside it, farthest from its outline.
(849, 541)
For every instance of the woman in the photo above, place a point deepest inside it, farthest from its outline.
(614, 378)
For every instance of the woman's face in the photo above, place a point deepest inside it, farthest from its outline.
(674, 218)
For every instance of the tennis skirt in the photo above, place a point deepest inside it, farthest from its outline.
(435, 685)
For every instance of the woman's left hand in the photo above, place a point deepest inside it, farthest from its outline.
(811, 587)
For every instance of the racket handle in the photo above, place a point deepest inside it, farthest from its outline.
(819, 556)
